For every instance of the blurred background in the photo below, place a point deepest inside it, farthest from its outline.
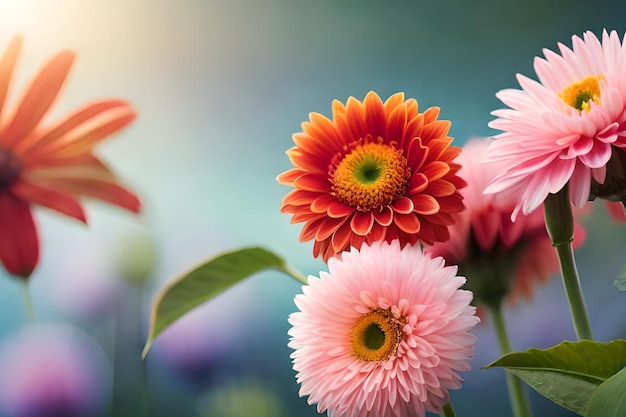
(220, 86)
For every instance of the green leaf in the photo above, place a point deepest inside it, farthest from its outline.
(620, 281)
(208, 280)
(609, 400)
(568, 373)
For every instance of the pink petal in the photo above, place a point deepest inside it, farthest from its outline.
(598, 156)
(579, 185)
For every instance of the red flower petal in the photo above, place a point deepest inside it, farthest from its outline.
(407, 223)
(312, 182)
(385, 216)
(339, 209)
(425, 204)
(362, 222)
(19, 244)
(322, 203)
(417, 183)
(341, 238)
(402, 205)
(54, 199)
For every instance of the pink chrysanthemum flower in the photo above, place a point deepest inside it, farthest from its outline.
(376, 171)
(564, 128)
(383, 333)
(499, 257)
(51, 164)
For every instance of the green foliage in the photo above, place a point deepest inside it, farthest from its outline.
(609, 400)
(570, 373)
(620, 281)
(208, 280)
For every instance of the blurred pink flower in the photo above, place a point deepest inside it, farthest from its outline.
(564, 128)
(53, 370)
(499, 256)
(51, 165)
(382, 333)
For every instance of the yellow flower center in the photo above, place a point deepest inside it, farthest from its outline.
(580, 93)
(376, 336)
(370, 175)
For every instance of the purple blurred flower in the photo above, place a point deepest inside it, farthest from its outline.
(51, 370)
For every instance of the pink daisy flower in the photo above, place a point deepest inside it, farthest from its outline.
(383, 333)
(563, 128)
(500, 257)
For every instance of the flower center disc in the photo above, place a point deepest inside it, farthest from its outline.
(375, 336)
(371, 175)
(10, 168)
(580, 93)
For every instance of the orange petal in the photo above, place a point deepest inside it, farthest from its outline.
(327, 227)
(417, 154)
(425, 204)
(322, 203)
(299, 197)
(289, 177)
(441, 188)
(385, 216)
(339, 209)
(375, 119)
(19, 244)
(435, 170)
(7, 64)
(341, 238)
(417, 183)
(102, 129)
(362, 222)
(70, 122)
(312, 182)
(38, 99)
(408, 223)
(402, 205)
(56, 200)
(108, 192)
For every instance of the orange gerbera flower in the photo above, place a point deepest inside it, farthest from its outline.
(377, 171)
(52, 165)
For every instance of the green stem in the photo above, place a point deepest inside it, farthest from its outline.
(560, 225)
(519, 402)
(574, 292)
(447, 410)
(28, 301)
(293, 273)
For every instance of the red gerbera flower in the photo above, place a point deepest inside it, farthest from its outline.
(376, 171)
(51, 165)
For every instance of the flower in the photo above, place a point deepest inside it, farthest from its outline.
(377, 171)
(500, 257)
(382, 333)
(562, 129)
(53, 370)
(51, 165)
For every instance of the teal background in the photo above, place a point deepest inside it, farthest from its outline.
(220, 86)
